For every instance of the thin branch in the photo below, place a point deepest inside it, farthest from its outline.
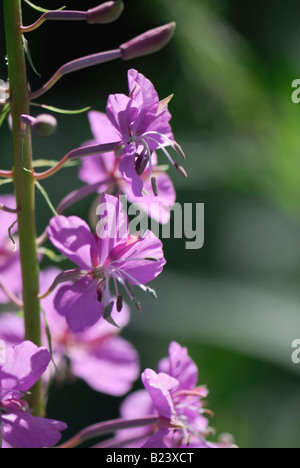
(108, 427)
(57, 16)
(77, 153)
(11, 296)
(75, 65)
(9, 210)
(6, 174)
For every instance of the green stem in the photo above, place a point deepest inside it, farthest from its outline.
(24, 184)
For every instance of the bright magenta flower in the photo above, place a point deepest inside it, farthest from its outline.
(23, 365)
(112, 254)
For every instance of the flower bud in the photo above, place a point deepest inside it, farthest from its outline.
(105, 13)
(148, 43)
(44, 125)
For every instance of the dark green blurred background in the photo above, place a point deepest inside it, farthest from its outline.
(236, 302)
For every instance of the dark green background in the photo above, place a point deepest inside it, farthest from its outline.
(236, 302)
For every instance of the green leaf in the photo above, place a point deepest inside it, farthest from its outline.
(61, 111)
(51, 255)
(6, 181)
(4, 113)
(10, 235)
(48, 163)
(46, 196)
(40, 9)
(28, 55)
(49, 339)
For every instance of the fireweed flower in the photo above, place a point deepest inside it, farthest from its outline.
(10, 269)
(141, 122)
(24, 365)
(105, 170)
(111, 255)
(173, 395)
(104, 360)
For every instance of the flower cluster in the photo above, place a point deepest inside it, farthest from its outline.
(173, 396)
(24, 364)
(79, 313)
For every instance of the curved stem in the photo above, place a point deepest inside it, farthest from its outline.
(108, 427)
(6, 174)
(77, 153)
(8, 210)
(75, 65)
(11, 296)
(24, 185)
(56, 16)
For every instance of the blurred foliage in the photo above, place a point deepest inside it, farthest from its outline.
(236, 302)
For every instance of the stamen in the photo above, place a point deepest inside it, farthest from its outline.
(119, 303)
(181, 170)
(175, 146)
(154, 186)
(128, 288)
(141, 162)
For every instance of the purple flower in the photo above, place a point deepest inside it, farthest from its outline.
(105, 170)
(106, 362)
(112, 254)
(173, 396)
(10, 269)
(23, 366)
(141, 122)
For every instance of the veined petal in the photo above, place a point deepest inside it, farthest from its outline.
(23, 430)
(159, 387)
(24, 365)
(111, 367)
(78, 303)
(128, 171)
(12, 330)
(112, 228)
(98, 168)
(157, 440)
(158, 207)
(149, 252)
(180, 366)
(143, 92)
(102, 129)
(73, 238)
(122, 111)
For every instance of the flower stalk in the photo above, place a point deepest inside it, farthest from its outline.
(24, 184)
(108, 427)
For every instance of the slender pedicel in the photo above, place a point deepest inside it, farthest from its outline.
(11, 296)
(75, 65)
(6, 174)
(147, 43)
(108, 427)
(77, 153)
(9, 210)
(105, 13)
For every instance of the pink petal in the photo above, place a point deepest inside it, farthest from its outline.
(79, 304)
(73, 238)
(24, 365)
(23, 430)
(159, 386)
(111, 368)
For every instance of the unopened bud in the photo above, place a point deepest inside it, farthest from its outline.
(44, 125)
(148, 43)
(105, 13)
